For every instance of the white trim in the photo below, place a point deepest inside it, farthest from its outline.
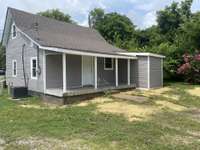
(161, 72)
(95, 73)
(105, 64)
(116, 72)
(82, 71)
(34, 58)
(14, 61)
(13, 25)
(44, 71)
(128, 72)
(148, 63)
(142, 54)
(64, 72)
(77, 52)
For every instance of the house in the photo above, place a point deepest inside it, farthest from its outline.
(59, 59)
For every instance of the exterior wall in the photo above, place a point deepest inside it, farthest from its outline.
(155, 72)
(141, 69)
(14, 52)
(54, 72)
(133, 71)
(74, 71)
(105, 77)
(122, 71)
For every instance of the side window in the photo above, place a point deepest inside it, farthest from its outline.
(14, 68)
(108, 64)
(14, 33)
(33, 68)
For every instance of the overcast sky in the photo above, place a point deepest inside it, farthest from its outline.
(141, 12)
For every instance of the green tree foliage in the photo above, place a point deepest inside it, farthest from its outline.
(95, 17)
(117, 29)
(57, 15)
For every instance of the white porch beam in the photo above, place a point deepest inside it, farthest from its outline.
(64, 72)
(116, 72)
(128, 72)
(95, 73)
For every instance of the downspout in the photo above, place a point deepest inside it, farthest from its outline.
(38, 62)
(23, 65)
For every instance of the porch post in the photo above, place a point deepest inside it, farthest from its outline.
(64, 72)
(44, 70)
(116, 72)
(128, 71)
(95, 72)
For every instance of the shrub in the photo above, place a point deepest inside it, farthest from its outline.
(190, 68)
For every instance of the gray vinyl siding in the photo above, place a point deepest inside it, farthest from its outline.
(133, 71)
(105, 77)
(74, 71)
(14, 52)
(54, 72)
(142, 72)
(155, 72)
(122, 71)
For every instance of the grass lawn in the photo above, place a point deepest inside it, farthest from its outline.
(170, 119)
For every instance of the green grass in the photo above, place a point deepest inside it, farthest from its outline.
(85, 128)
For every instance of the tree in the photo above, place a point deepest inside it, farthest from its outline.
(169, 20)
(189, 34)
(95, 17)
(57, 15)
(186, 9)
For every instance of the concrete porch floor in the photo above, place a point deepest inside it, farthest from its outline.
(85, 90)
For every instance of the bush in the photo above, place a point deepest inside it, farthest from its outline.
(190, 69)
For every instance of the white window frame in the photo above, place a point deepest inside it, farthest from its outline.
(105, 68)
(12, 31)
(14, 61)
(34, 58)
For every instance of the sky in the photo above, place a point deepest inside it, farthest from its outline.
(141, 12)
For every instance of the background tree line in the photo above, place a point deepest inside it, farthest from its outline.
(176, 34)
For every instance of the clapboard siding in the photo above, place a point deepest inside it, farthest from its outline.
(142, 72)
(105, 77)
(155, 72)
(14, 52)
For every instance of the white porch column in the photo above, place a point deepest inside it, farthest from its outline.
(64, 72)
(116, 72)
(128, 72)
(44, 70)
(95, 72)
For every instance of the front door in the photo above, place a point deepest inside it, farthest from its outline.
(87, 70)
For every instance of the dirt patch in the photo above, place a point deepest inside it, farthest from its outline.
(98, 100)
(48, 106)
(130, 111)
(48, 143)
(177, 139)
(128, 97)
(194, 92)
(172, 106)
(162, 92)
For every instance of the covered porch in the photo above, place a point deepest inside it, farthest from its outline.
(73, 74)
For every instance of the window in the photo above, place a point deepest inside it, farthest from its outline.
(14, 33)
(33, 68)
(14, 68)
(108, 64)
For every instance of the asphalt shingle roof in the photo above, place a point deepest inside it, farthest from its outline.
(53, 33)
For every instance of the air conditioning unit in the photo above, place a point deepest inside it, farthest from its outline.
(18, 92)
